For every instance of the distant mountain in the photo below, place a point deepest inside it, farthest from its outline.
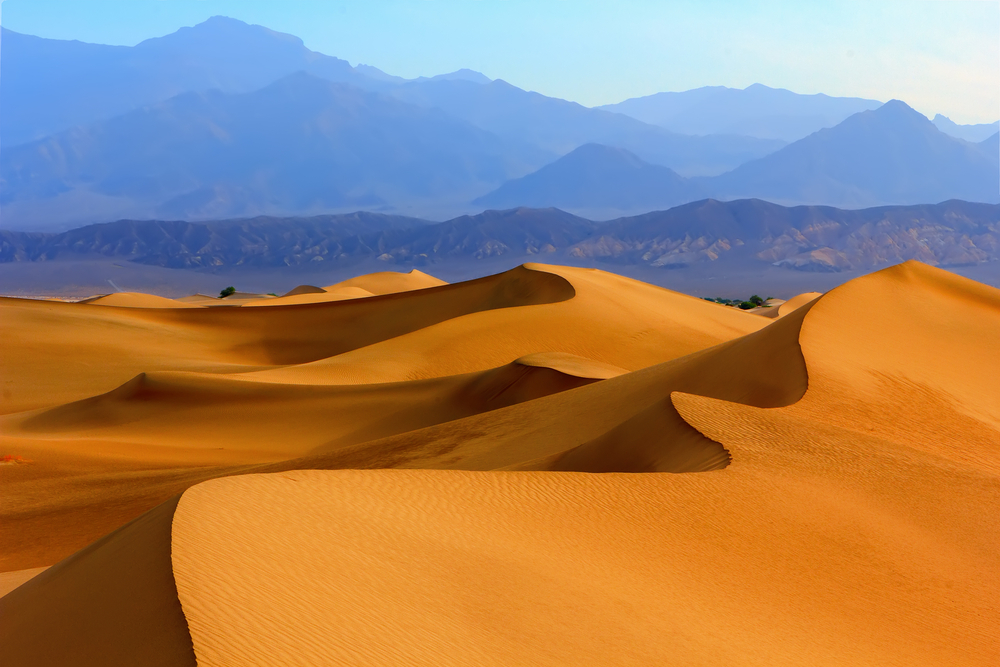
(596, 179)
(520, 232)
(756, 111)
(48, 85)
(990, 147)
(459, 75)
(805, 238)
(559, 126)
(741, 234)
(260, 241)
(299, 145)
(973, 133)
(278, 242)
(892, 155)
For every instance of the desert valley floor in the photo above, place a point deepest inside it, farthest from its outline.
(548, 466)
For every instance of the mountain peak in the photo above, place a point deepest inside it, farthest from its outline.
(898, 107)
(227, 28)
(594, 152)
(463, 75)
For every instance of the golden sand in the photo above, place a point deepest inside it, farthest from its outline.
(838, 505)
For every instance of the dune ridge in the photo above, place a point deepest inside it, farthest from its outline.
(119, 409)
(819, 487)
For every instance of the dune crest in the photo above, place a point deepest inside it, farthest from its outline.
(304, 289)
(832, 499)
(796, 302)
(390, 282)
(137, 300)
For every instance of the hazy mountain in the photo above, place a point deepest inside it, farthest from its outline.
(49, 85)
(892, 155)
(301, 144)
(724, 235)
(806, 238)
(990, 147)
(596, 179)
(458, 75)
(756, 111)
(560, 126)
(973, 133)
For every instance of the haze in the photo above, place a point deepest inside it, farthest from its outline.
(941, 57)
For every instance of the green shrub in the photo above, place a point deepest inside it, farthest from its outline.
(229, 291)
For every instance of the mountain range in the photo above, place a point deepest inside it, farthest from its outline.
(890, 155)
(756, 111)
(225, 120)
(973, 133)
(743, 232)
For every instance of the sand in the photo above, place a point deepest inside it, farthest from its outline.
(819, 488)
(11, 580)
(119, 409)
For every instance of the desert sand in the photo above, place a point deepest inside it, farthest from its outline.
(549, 466)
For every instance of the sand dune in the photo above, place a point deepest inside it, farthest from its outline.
(119, 409)
(389, 282)
(838, 502)
(137, 300)
(609, 319)
(304, 289)
(318, 296)
(797, 302)
(59, 352)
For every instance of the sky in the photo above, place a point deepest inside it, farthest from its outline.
(939, 56)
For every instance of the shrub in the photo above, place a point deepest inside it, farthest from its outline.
(756, 300)
(747, 305)
(227, 292)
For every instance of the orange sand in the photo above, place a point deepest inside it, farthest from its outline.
(838, 505)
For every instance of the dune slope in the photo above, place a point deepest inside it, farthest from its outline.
(118, 409)
(839, 503)
(113, 603)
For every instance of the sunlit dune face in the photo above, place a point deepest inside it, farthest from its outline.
(548, 466)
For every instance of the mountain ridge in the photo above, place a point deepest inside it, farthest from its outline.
(712, 232)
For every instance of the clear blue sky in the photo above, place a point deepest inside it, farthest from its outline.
(940, 57)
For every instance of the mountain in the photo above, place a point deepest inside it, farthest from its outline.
(595, 178)
(973, 133)
(269, 242)
(805, 238)
(298, 145)
(516, 232)
(755, 111)
(52, 85)
(559, 126)
(726, 236)
(459, 75)
(260, 241)
(892, 155)
(990, 147)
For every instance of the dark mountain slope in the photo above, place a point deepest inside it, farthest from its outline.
(808, 238)
(742, 234)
